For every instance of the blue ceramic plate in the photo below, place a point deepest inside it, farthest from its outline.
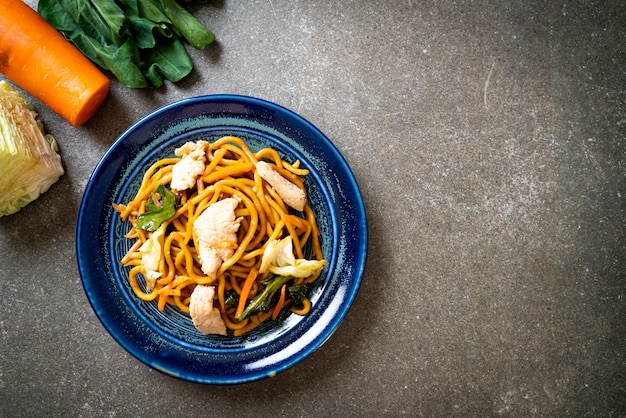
(168, 341)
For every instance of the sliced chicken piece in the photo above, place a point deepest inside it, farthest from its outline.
(204, 316)
(216, 229)
(190, 167)
(291, 194)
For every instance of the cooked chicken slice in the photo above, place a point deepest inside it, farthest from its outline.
(291, 194)
(190, 167)
(216, 229)
(203, 315)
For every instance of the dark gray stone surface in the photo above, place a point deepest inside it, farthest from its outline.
(488, 139)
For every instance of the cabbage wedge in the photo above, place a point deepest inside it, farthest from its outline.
(29, 159)
(278, 258)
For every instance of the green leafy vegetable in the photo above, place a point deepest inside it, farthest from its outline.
(139, 41)
(160, 207)
(298, 293)
(29, 159)
(262, 302)
(231, 298)
(194, 31)
(112, 14)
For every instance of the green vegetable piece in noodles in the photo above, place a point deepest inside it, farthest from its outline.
(231, 298)
(298, 293)
(262, 302)
(160, 207)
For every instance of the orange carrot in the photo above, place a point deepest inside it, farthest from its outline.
(42, 62)
(281, 302)
(162, 301)
(245, 291)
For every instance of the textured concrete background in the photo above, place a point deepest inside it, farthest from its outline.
(488, 139)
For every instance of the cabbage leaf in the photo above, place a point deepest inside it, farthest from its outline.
(29, 159)
(278, 258)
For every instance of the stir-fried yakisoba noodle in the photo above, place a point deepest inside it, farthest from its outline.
(223, 234)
